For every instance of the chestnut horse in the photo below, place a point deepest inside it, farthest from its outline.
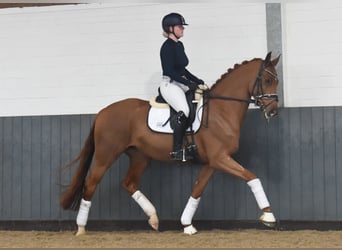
(121, 128)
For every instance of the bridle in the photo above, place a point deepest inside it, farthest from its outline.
(256, 98)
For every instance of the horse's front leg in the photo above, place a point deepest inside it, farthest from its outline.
(227, 164)
(189, 211)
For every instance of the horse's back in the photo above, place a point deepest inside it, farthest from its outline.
(125, 107)
(123, 112)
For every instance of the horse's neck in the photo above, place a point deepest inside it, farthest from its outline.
(236, 85)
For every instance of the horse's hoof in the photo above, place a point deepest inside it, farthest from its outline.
(270, 224)
(190, 230)
(154, 222)
(268, 219)
(81, 231)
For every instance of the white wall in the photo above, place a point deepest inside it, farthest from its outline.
(76, 59)
(312, 53)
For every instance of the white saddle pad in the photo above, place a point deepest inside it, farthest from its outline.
(157, 117)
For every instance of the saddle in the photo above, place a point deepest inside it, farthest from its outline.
(162, 117)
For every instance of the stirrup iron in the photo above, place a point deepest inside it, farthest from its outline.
(183, 153)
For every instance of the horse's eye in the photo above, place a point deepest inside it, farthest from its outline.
(268, 81)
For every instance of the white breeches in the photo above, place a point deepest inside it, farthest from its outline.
(174, 94)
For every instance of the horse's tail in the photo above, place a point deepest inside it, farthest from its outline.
(71, 197)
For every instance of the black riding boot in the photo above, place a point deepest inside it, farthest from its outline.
(178, 134)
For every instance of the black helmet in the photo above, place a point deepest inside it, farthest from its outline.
(172, 19)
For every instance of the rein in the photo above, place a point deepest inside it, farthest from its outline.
(227, 98)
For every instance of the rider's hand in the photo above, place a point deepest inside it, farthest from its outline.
(192, 86)
(200, 82)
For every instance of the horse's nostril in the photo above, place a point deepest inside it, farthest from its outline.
(273, 113)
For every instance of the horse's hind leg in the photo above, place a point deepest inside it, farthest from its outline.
(102, 161)
(138, 163)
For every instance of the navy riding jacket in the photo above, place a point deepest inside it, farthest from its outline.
(174, 61)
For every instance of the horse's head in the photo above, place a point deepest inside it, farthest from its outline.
(264, 91)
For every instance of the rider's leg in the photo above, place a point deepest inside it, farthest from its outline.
(178, 134)
(174, 95)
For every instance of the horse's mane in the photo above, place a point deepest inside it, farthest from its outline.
(230, 70)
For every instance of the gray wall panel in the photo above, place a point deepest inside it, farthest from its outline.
(306, 165)
(329, 144)
(318, 163)
(55, 161)
(274, 170)
(36, 153)
(26, 167)
(295, 160)
(1, 162)
(46, 172)
(16, 179)
(296, 155)
(283, 166)
(338, 137)
(66, 155)
(7, 168)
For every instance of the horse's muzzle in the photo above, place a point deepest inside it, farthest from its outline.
(270, 109)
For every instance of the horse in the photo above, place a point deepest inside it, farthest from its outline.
(121, 128)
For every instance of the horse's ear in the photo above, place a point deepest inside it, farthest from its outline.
(275, 60)
(267, 59)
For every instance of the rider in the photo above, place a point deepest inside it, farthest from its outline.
(176, 78)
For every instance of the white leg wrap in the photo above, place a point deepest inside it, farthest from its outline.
(259, 193)
(82, 216)
(189, 211)
(144, 203)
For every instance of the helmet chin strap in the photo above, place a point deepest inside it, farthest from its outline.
(173, 33)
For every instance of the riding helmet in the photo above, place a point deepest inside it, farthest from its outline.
(172, 19)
